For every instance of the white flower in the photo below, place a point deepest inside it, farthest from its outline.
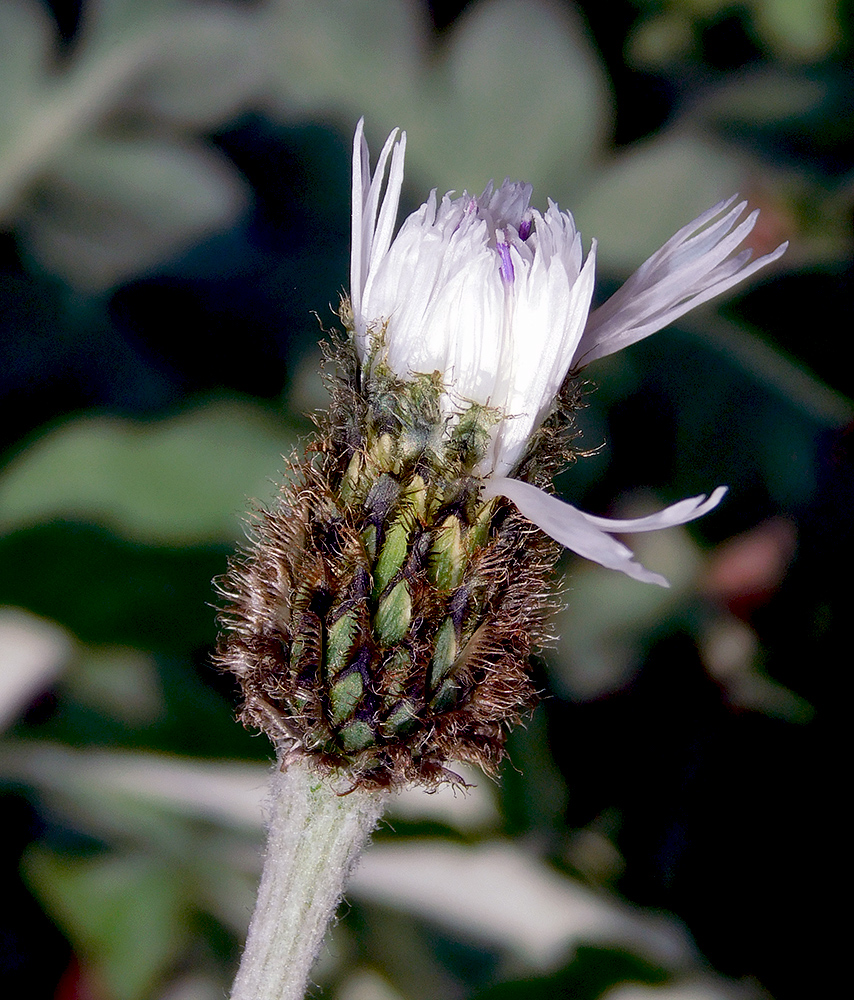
(496, 297)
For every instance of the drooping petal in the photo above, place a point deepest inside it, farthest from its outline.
(677, 513)
(590, 536)
(693, 266)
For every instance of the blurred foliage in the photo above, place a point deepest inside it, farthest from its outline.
(156, 483)
(89, 171)
(803, 31)
(174, 188)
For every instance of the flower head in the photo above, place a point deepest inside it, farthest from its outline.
(384, 618)
(495, 297)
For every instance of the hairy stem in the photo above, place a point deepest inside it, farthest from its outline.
(315, 837)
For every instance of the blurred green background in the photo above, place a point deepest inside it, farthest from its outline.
(174, 225)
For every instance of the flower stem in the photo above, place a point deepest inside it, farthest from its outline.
(317, 829)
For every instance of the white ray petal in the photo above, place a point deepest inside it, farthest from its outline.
(677, 513)
(371, 238)
(693, 266)
(391, 199)
(361, 167)
(589, 536)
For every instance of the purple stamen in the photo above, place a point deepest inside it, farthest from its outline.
(508, 275)
(525, 227)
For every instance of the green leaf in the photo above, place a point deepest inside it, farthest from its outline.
(123, 913)
(770, 95)
(159, 801)
(117, 206)
(533, 791)
(197, 65)
(802, 30)
(110, 591)
(588, 976)
(798, 29)
(109, 22)
(183, 480)
(119, 682)
(331, 54)
(521, 94)
(26, 39)
(605, 617)
(94, 208)
(207, 70)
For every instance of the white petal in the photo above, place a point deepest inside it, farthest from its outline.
(361, 167)
(550, 310)
(370, 239)
(430, 265)
(677, 513)
(695, 265)
(508, 204)
(588, 535)
(391, 199)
